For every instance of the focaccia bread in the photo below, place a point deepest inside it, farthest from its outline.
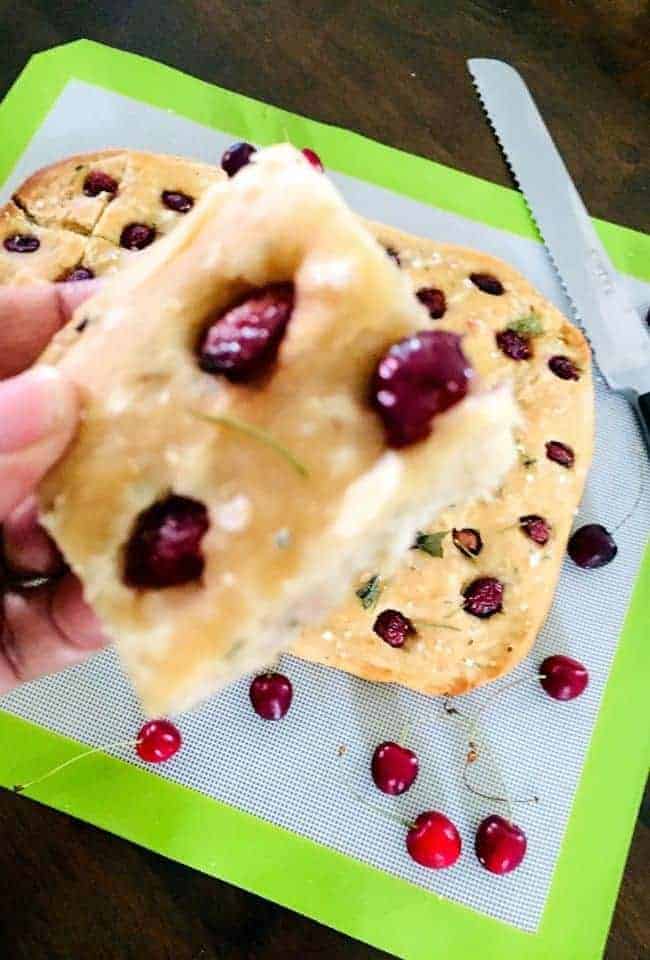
(213, 504)
(518, 538)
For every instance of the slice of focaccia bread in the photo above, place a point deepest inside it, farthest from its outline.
(267, 412)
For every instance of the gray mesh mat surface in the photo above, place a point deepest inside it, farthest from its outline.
(291, 773)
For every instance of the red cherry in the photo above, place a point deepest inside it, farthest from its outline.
(313, 158)
(563, 677)
(77, 273)
(177, 200)
(394, 768)
(433, 841)
(393, 627)
(592, 546)
(535, 527)
(500, 845)
(560, 453)
(137, 236)
(164, 549)
(21, 243)
(237, 156)
(563, 367)
(434, 300)
(158, 740)
(513, 345)
(483, 597)
(468, 541)
(487, 283)
(271, 695)
(97, 182)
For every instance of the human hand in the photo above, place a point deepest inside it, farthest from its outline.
(44, 623)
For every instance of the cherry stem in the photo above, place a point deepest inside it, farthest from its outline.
(634, 505)
(21, 787)
(433, 625)
(382, 813)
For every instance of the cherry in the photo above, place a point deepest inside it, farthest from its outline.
(563, 678)
(176, 200)
(433, 841)
(564, 368)
(77, 273)
(97, 182)
(418, 378)
(500, 845)
(21, 243)
(271, 695)
(483, 597)
(236, 157)
(393, 628)
(313, 158)
(164, 549)
(244, 340)
(394, 255)
(394, 768)
(514, 345)
(535, 527)
(560, 453)
(468, 541)
(434, 300)
(137, 236)
(487, 283)
(591, 546)
(158, 740)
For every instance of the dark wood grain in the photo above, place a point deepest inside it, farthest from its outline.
(394, 71)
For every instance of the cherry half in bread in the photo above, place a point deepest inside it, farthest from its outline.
(313, 158)
(483, 597)
(563, 678)
(468, 541)
(394, 768)
(137, 236)
(560, 453)
(97, 182)
(592, 546)
(514, 345)
(487, 283)
(177, 200)
(77, 273)
(563, 367)
(236, 157)
(433, 841)
(393, 628)
(434, 300)
(158, 741)
(271, 695)
(21, 243)
(164, 549)
(243, 341)
(418, 378)
(536, 528)
(500, 845)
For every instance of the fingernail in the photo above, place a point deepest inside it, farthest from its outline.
(33, 406)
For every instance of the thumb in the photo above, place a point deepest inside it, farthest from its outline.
(38, 416)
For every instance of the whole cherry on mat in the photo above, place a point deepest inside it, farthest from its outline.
(158, 741)
(433, 841)
(563, 678)
(271, 695)
(237, 156)
(591, 546)
(394, 768)
(499, 844)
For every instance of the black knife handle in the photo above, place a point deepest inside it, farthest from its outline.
(642, 407)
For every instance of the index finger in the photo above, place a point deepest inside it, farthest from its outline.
(30, 316)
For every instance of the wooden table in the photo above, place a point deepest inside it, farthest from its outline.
(393, 71)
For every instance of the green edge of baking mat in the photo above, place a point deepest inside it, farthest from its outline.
(242, 849)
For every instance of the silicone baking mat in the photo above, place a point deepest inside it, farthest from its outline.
(337, 859)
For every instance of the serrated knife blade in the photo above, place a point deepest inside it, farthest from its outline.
(618, 334)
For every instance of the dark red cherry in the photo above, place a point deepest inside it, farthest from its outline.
(77, 273)
(483, 597)
(433, 841)
(487, 283)
(271, 695)
(514, 345)
(500, 845)
(434, 300)
(417, 379)
(468, 541)
(563, 678)
(177, 201)
(244, 340)
(21, 243)
(97, 182)
(158, 740)
(560, 453)
(313, 158)
(393, 628)
(236, 157)
(137, 236)
(164, 549)
(535, 527)
(564, 368)
(394, 768)
(592, 546)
